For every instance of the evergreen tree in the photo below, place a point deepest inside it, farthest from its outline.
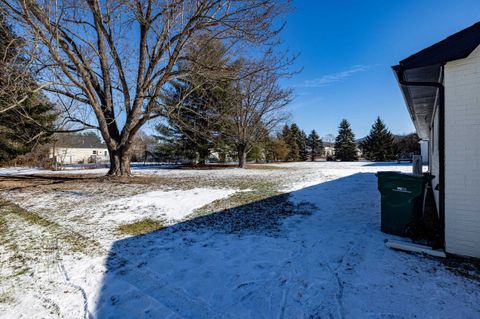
(276, 150)
(174, 146)
(302, 142)
(408, 144)
(315, 144)
(285, 134)
(201, 101)
(294, 143)
(225, 150)
(29, 123)
(257, 153)
(287, 137)
(379, 145)
(345, 148)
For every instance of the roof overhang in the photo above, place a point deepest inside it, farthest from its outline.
(420, 76)
(420, 99)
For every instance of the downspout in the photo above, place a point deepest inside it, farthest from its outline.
(441, 141)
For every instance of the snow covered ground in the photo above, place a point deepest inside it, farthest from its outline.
(299, 240)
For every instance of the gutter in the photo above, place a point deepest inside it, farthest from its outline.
(441, 138)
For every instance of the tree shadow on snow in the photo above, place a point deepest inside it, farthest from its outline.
(251, 261)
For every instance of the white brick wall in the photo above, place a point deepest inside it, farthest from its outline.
(462, 155)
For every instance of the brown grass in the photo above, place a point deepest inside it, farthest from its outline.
(77, 241)
(140, 227)
(264, 166)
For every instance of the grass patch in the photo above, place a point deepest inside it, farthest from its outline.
(6, 298)
(259, 207)
(77, 241)
(15, 259)
(253, 191)
(140, 227)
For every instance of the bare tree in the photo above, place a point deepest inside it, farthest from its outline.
(16, 80)
(142, 143)
(107, 62)
(258, 107)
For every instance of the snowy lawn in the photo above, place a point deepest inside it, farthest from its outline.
(298, 241)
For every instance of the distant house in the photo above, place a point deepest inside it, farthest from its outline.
(441, 87)
(78, 149)
(329, 149)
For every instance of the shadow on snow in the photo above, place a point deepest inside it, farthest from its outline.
(316, 252)
(248, 261)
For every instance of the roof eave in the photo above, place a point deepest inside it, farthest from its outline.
(406, 97)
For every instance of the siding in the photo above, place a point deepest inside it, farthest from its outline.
(76, 155)
(462, 155)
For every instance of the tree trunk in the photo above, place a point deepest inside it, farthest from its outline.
(119, 162)
(242, 155)
(203, 156)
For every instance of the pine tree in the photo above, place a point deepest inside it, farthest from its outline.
(345, 148)
(315, 144)
(276, 150)
(201, 98)
(174, 146)
(295, 144)
(294, 154)
(257, 153)
(408, 144)
(379, 145)
(302, 142)
(285, 134)
(292, 147)
(31, 122)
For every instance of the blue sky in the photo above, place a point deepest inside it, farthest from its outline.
(347, 48)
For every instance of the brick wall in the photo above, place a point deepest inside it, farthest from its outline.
(462, 155)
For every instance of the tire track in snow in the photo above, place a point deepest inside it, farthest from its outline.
(335, 217)
(175, 299)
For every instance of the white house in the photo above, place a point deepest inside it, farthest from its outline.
(328, 150)
(441, 87)
(78, 149)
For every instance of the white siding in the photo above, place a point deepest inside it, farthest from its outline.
(462, 155)
(76, 155)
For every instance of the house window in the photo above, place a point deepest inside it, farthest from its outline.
(94, 152)
(105, 153)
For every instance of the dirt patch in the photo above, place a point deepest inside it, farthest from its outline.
(264, 167)
(19, 182)
(70, 182)
(466, 267)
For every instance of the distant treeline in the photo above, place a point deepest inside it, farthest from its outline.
(289, 144)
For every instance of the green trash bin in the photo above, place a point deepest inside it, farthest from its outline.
(402, 200)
